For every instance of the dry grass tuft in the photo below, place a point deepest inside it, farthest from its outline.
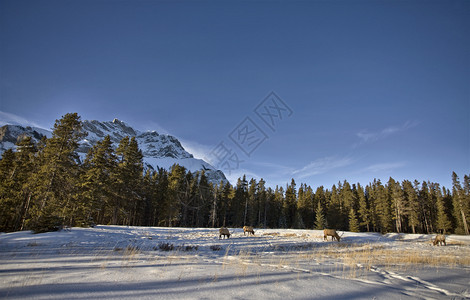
(131, 250)
(271, 233)
(289, 235)
(368, 256)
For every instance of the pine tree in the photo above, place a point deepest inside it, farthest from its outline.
(129, 183)
(290, 204)
(148, 193)
(412, 201)
(279, 201)
(8, 192)
(347, 197)
(162, 205)
(320, 221)
(398, 203)
(56, 183)
(239, 203)
(26, 166)
(177, 191)
(334, 217)
(205, 201)
(353, 221)
(305, 205)
(251, 203)
(225, 196)
(425, 201)
(383, 204)
(461, 206)
(364, 210)
(98, 183)
(443, 222)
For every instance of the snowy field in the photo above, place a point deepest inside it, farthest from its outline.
(118, 262)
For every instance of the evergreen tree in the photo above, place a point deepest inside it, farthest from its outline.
(290, 204)
(320, 221)
(251, 207)
(226, 195)
(98, 183)
(8, 191)
(383, 206)
(353, 221)
(162, 205)
(26, 165)
(398, 203)
(364, 210)
(425, 203)
(334, 217)
(272, 209)
(305, 205)
(279, 204)
(148, 193)
(263, 205)
(443, 222)
(205, 201)
(461, 206)
(128, 206)
(177, 194)
(412, 201)
(239, 205)
(56, 181)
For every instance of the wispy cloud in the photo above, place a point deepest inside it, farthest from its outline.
(12, 119)
(322, 165)
(383, 167)
(371, 136)
(198, 150)
(153, 126)
(233, 175)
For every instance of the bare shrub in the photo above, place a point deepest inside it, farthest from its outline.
(165, 247)
(215, 247)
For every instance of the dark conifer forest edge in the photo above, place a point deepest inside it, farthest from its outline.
(44, 187)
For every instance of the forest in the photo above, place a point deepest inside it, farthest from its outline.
(45, 186)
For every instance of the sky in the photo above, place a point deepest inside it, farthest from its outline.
(317, 91)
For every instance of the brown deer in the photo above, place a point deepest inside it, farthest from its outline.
(248, 229)
(439, 240)
(331, 232)
(224, 232)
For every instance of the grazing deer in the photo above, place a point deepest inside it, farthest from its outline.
(439, 240)
(332, 233)
(248, 229)
(224, 232)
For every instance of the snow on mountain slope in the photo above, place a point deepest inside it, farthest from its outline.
(159, 150)
(9, 135)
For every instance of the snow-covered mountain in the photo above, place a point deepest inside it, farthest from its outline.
(159, 150)
(9, 135)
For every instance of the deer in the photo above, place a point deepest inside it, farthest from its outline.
(439, 240)
(224, 232)
(332, 233)
(248, 229)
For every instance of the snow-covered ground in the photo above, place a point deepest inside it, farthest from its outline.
(118, 262)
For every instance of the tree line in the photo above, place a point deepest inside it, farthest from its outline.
(45, 185)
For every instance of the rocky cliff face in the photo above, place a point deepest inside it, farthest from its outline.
(159, 150)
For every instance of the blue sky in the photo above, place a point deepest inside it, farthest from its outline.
(376, 88)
